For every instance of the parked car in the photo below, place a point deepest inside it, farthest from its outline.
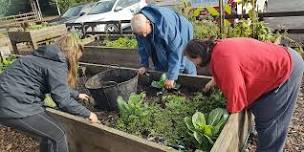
(73, 13)
(112, 10)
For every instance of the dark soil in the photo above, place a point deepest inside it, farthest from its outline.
(13, 141)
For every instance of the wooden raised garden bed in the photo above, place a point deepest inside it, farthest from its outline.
(120, 52)
(111, 56)
(36, 37)
(84, 136)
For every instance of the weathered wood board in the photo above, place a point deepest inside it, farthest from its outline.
(36, 37)
(117, 56)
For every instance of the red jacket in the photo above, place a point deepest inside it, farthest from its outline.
(245, 69)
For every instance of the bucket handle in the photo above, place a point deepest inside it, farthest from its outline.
(113, 65)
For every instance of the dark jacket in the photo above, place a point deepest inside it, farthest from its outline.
(23, 85)
(170, 35)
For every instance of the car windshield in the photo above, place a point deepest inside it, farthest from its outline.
(73, 11)
(102, 7)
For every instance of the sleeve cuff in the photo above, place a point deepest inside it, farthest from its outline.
(172, 76)
(74, 94)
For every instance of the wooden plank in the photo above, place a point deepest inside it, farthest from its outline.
(86, 137)
(193, 82)
(48, 33)
(235, 133)
(103, 55)
(117, 56)
(36, 37)
(18, 37)
(4, 52)
(268, 14)
(16, 16)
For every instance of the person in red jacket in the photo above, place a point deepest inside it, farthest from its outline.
(262, 77)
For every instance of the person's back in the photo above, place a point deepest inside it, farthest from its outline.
(163, 39)
(261, 66)
(168, 22)
(24, 83)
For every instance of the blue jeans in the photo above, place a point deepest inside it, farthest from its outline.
(53, 137)
(273, 111)
(188, 67)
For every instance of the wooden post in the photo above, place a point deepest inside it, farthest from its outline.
(39, 10)
(58, 9)
(221, 17)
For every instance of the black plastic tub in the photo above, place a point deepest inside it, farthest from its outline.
(106, 86)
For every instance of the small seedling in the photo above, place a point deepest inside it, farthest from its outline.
(160, 84)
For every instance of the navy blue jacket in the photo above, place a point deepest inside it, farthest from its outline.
(23, 85)
(171, 33)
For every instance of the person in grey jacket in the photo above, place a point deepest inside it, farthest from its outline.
(50, 69)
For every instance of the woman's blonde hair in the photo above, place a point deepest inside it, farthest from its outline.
(72, 49)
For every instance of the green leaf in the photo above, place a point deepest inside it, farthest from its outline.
(198, 137)
(221, 123)
(163, 77)
(189, 124)
(207, 130)
(122, 104)
(215, 116)
(209, 139)
(155, 84)
(198, 119)
(206, 143)
(49, 102)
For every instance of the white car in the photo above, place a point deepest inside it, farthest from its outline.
(112, 10)
(261, 7)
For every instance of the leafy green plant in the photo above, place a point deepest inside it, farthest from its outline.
(160, 84)
(169, 121)
(35, 26)
(205, 29)
(122, 42)
(4, 7)
(135, 118)
(49, 102)
(206, 128)
(164, 123)
(6, 62)
(204, 103)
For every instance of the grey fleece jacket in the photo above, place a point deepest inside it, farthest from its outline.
(23, 85)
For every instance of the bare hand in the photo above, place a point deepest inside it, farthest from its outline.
(169, 84)
(93, 118)
(84, 97)
(142, 71)
(209, 85)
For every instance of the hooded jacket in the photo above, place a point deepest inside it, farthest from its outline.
(23, 85)
(170, 35)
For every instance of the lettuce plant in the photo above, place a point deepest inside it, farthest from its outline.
(206, 128)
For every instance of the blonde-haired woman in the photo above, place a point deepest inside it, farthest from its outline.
(50, 69)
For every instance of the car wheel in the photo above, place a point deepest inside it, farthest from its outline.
(112, 28)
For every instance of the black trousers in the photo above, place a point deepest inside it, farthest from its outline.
(53, 137)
